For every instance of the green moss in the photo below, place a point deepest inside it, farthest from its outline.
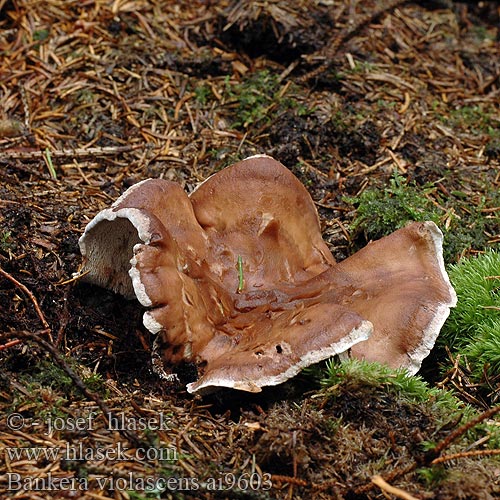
(483, 353)
(155, 493)
(478, 293)
(382, 211)
(202, 94)
(255, 97)
(433, 476)
(86, 96)
(482, 33)
(49, 375)
(96, 383)
(41, 35)
(443, 405)
(472, 119)
(412, 389)
(362, 67)
(259, 99)
(493, 147)
(473, 327)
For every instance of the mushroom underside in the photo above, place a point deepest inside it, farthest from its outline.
(238, 280)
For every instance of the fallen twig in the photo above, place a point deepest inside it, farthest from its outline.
(385, 486)
(465, 454)
(399, 472)
(460, 431)
(63, 153)
(22, 287)
(331, 50)
(59, 359)
(290, 480)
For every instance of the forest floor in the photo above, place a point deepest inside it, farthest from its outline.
(97, 95)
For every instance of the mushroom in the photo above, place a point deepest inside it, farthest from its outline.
(238, 280)
(400, 286)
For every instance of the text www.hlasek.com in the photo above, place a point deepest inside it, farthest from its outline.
(83, 453)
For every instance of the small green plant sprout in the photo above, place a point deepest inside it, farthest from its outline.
(48, 160)
(5, 240)
(241, 279)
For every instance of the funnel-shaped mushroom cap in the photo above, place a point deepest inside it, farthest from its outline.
(238, 280)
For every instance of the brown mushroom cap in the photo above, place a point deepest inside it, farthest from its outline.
(259, 210)
(179, 256)
(274, 349)
(401, 287)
